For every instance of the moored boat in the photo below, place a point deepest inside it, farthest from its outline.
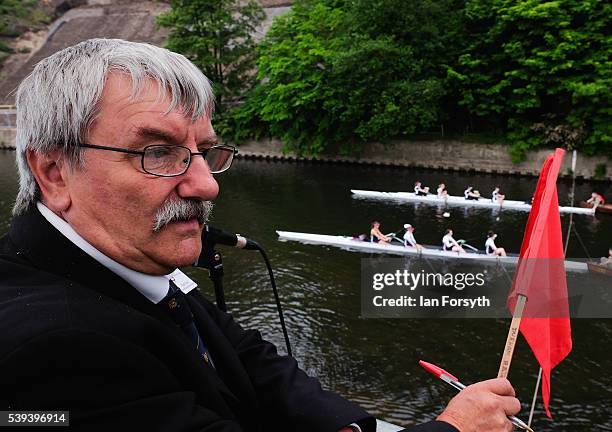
(595, 267)
(459, 201)
(603, 208)
(355, 244)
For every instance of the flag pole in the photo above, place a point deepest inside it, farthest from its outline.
(535, 397)
(504, 366)
(571, 220)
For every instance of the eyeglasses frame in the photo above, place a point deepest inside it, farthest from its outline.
(142, 154)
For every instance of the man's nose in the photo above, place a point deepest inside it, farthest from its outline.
(198, 182)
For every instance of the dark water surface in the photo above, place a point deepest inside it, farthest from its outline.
(374, 361)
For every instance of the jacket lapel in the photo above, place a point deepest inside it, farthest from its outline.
(230, 369)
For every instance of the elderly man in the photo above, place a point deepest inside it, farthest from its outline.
(116, 153)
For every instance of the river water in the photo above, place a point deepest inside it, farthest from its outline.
(374, 361)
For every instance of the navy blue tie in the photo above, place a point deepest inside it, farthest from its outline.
(175, 304)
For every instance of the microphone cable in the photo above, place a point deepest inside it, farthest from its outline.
(213, 236)
(279, 308)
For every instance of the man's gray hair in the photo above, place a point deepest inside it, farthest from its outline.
(57, 102)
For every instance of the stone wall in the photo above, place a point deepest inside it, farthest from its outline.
(124, 19)
(133, 21)
(481, 157)
(7, 138)
(440, 154)
(274, 3)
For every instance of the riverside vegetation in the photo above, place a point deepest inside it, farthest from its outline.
(335, 74)
(16, 17)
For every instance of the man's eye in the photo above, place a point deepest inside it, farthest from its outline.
(159, 152)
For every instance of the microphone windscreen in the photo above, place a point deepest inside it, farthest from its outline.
(212, 235)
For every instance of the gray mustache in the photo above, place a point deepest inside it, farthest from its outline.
(176, 210)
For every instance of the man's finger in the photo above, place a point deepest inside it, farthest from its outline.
(510, 405)
(499, 386)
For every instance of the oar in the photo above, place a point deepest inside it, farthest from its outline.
(396, 233)
(463, 243)
(393, 236)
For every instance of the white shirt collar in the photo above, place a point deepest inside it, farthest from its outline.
(154, 288)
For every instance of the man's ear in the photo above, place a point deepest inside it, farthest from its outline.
(50, 171)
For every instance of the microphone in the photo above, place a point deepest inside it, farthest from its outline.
(212, 260)
(212, 236)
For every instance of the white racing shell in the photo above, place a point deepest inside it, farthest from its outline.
(352, 244)
(459, 201)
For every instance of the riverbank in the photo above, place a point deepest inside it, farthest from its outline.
(452, 155)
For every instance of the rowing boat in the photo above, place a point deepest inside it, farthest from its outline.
(354, 244)
(595, 267)
(459, 201)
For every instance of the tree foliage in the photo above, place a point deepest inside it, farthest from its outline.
(16, 17)
(292, 62)
(334, 74)
(326, 87)
(218, 37)
(541, 71)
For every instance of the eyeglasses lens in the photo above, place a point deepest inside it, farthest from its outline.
(166, 160)
(219, 159)
(174, 160)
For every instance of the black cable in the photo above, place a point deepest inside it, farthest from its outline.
(581, 242)
(276, 297)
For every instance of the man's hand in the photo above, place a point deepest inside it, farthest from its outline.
(482, 407)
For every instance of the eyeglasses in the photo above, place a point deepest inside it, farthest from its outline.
(173, 160)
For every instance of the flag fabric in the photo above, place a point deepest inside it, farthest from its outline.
(541, 277)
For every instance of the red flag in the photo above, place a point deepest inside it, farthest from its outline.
(540, 276)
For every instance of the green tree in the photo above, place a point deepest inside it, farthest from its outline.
(377, 91)
(327, 88)
(433, 29)
(434, 32)
(293, 60)
(217, 36)
(337, 73)
(540, 71)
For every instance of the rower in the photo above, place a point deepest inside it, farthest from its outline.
(449, 243)
(596, 200)
(442, 192)
(418, 190)
(376, 236)
(491, 248)
(471, 194)
(409, 240)
(496, 197)
(607, 261)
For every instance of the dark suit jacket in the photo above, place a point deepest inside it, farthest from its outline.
(77, 337)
